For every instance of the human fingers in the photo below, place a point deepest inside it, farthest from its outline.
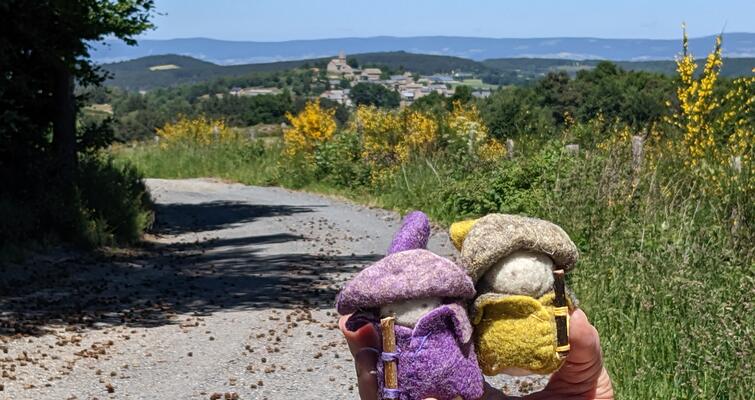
(583, 373)
(363, 344)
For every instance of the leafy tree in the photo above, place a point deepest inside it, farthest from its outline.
(513, 112)
(462, 94)
(374, 95)
(433, 103)
(557, 94)
(44, 53)
(602, 91)
(644, 98)
(341, 112)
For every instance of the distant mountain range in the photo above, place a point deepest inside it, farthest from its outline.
(169, 70)
(226, 52)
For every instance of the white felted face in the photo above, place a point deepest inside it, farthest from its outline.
(408, 312)
(523, 273)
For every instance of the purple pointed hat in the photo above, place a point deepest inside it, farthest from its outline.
(410, 274)
(413, 234)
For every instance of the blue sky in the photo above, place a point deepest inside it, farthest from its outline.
(274, 20)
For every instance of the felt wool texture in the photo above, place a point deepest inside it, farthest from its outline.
(515, 332)
(459, 231)
(411, 274)
(437, 358)
(496, 236)
(522, 272)
(408, 312)
(413, 234)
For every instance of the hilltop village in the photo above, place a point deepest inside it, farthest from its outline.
(341, 75)
(410, 86)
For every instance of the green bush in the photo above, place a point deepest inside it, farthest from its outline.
(115, 200)
(521, 185)
(108, 204)
(340, 163)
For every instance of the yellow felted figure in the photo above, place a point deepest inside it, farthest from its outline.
(517, 321)
(516, 332)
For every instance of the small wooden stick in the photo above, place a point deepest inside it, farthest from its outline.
(562, 322)
(390, 368)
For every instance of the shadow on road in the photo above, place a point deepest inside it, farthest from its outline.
(177, 218)
(151, 287)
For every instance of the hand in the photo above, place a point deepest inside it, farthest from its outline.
(581, 377)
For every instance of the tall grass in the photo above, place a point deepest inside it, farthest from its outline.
(241, 160)
(663, 277)
(666, 276)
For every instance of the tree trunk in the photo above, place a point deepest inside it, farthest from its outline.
(64, 124)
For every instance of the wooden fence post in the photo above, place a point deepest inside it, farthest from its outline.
(736, 163)
(638, 153)
(510, 148)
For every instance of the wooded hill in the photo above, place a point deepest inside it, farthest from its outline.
(169, 70)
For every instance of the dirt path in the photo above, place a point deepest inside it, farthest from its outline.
(234, 295)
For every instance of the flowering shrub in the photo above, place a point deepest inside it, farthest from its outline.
(419, 135)
(467, 132)
(391, 138)
(697, 105)
(380, 131)
(491, 151)
(311, 127)
(468, 137)
(195, 132)
(717, 129)
(738, 121)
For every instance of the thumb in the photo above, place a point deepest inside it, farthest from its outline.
(364, 344)
(584, 364)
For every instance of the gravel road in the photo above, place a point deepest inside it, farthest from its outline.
(232, 297)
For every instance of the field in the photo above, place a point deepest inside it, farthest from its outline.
(478, 84)
(164, 67)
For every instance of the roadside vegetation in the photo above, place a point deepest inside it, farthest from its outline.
(652, 177)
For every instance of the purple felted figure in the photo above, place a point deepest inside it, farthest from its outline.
(435, 352)
(436, 358)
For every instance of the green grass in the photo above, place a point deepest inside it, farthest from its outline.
(664, 275)
(244, 162)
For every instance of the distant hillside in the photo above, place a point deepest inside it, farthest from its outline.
(732, 66)
(169, 70)
(540, 66)
(227, 52)
(142, 73)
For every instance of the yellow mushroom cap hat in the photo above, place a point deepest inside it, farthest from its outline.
(496, 236)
